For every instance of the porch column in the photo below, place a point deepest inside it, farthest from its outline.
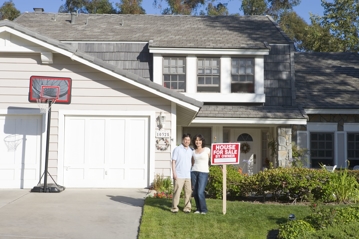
(284, 146)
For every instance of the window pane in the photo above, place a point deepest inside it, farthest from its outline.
(208, 71)
(215, 63)
(200, 63)
(250, 78)
(180, 70)
(208, 81)
(201, 80)
(215, 71)
(328, 137)
(249, 70)
(235, 78)
(166, 70)
(242, 78)
(207, 62)
(216, 80)
(242, 70)
(166, 77)
(182, 85)
(166, 61)
(328, 145)
(173, 85)
(182, 77)
(180, 62)
(200, 71)
(173, 62)
(173, 70)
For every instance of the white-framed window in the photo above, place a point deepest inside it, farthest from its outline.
(174, 73)
(208, 75)
(353, 148)
(242, 75)
(322, 149)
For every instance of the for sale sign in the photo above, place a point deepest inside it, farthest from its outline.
(225, 153)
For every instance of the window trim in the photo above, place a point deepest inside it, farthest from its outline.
(238, 82)
(204, 75)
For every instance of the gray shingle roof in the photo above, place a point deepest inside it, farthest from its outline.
(265, 112)
(226, 32)
(327, 80)
(103, 64)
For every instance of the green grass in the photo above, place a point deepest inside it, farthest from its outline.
(242, 220)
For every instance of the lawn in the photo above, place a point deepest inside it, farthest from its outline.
(243, 220)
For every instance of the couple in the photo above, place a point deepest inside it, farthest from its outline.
(183, 159)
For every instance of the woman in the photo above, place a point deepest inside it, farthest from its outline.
(199, 173)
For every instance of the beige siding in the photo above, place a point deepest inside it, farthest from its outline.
(91, 90)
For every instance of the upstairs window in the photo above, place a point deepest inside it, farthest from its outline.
(208, 75)
(174, 73)
(242, 75)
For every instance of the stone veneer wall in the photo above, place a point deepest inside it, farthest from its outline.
(284, 146)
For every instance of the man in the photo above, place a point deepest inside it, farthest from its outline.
(181, 170)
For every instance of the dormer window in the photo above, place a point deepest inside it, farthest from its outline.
(208, 75)
(242, 75)
(174, 73)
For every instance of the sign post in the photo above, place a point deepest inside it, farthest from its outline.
(223, 154)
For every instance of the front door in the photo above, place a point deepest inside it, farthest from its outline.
(250, 159)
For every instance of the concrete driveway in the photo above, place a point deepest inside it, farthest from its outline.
(73, 213)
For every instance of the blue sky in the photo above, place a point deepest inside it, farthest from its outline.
(306, 6)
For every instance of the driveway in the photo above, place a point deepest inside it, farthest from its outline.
(71, 214)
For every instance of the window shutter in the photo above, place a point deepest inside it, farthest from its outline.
(303, 143)
(340, 149)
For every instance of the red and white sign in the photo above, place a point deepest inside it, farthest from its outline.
(225, 153)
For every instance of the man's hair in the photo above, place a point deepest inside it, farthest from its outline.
(201, 138)
(186, 135)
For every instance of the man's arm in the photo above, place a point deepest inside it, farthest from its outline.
(174, 174)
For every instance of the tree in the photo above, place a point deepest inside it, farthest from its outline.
(268, 7)
(9, 11)
(88, 6)
(130, 7)
(342, 18)
(217, 10)
(179, 7)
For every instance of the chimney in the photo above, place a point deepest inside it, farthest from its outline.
(73, 17)
(38, 9)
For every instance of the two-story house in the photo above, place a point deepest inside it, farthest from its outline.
(138, 83)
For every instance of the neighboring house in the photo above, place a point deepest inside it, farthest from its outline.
(138, 83)
(328, 91)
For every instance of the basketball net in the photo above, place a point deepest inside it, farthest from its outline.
(43, 104)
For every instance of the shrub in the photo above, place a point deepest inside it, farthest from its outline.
(163, 186)
(215, 181)
(295, 229)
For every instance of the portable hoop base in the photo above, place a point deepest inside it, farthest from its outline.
(50, 188)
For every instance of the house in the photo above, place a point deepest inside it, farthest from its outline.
(327, 90)
(138, 83)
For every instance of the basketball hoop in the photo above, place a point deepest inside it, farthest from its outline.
(48, 96)
(11, 142)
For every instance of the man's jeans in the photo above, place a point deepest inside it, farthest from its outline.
(199, 183)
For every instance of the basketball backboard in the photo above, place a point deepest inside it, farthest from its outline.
(46, 88)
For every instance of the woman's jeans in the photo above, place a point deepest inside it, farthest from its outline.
(199, 183)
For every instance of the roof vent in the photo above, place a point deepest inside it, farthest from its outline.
(73, 17)
(38, 9)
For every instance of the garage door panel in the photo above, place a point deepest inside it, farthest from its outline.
(7, 174)
(30, 174)
(115, 152)
(116, 174)
(75, 145)
(95, 135)
(96, 173)
(115, 142)
(136, 138)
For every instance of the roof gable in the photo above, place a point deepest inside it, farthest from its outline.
(76, 55)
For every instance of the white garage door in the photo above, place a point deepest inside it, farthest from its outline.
(20, 151)
(105, 152)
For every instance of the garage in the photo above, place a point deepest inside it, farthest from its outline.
(106, 152)
(20, 150)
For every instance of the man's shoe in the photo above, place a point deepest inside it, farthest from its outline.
(197, 212)
(187, 211)
(203, 213)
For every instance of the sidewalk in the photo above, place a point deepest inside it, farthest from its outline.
(71, 214)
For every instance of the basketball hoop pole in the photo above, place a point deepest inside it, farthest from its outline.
(47, 145)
